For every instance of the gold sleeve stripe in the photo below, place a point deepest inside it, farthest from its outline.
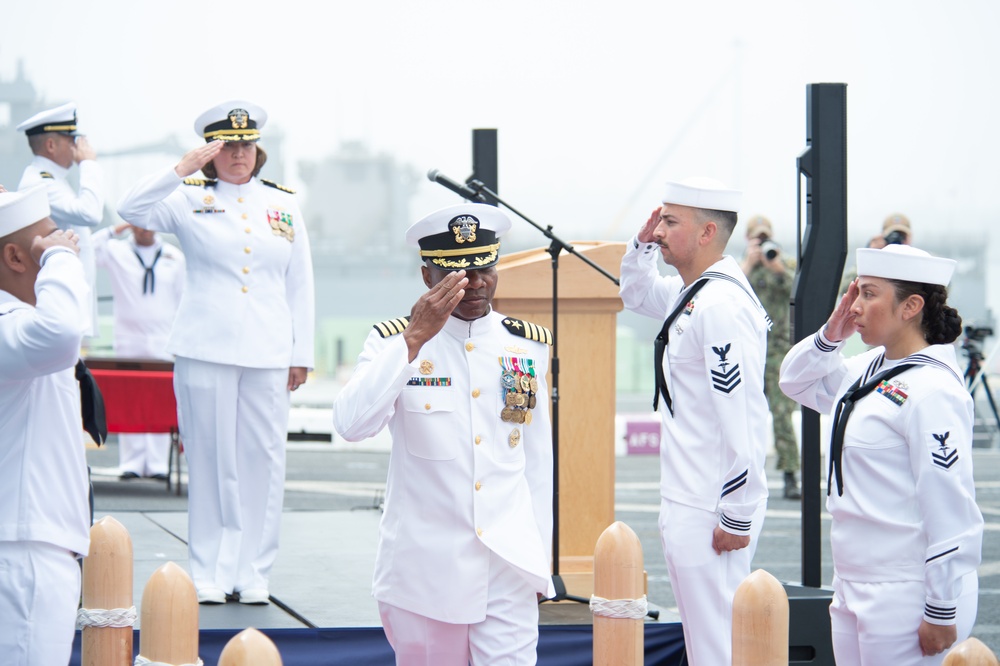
(392, 326)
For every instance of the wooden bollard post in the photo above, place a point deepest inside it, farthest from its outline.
(970, 652)
(108, 612)
(760, 622)
(250, 648)
(169, 629)
(619, 601)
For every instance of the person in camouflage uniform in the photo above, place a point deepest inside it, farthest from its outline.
(771, 277)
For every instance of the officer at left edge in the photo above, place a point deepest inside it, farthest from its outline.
(57, 144)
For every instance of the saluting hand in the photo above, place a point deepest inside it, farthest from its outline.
(645, 234)
(841, 324)
(82, 150)
(59, 237)
(432, 310)
(197, 158)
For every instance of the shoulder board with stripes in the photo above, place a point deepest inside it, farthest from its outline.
(526, 329)
(200, 182)
(391, 327)
(277, 186)
(46, 174)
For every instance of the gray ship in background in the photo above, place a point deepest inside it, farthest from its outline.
(357, 203)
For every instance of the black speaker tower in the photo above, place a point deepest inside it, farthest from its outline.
(821, 250)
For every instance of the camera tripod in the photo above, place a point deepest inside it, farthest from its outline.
(974, 375)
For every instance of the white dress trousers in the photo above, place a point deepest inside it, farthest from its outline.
(39, 594)
(234, 422)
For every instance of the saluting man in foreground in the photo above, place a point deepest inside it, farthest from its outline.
(710, 392)
(465, 540)
(44, 510)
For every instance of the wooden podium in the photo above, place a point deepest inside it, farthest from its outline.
(588, 307)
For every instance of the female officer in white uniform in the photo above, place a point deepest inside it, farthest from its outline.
(243, 338)
(906, 532)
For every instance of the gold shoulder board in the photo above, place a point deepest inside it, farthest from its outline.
(200, 182)
(526, 329)
(277, 186)
(46, 174)
(391, 326)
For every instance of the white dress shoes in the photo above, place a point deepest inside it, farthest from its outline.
(255, 595)
(211, 595)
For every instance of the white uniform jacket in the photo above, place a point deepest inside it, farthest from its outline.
(43, 468)
(714, 444)
(461, 484)
(248, 298)
(71, 210)
(908, 512)
(144, 312)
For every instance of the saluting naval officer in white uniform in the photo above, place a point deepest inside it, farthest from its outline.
(57, 144)
(906, 534)
(709, 369)
(465, 541)
(243, 338)
(44, 509)
(147, 282)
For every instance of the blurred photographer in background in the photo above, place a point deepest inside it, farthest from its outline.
(770, 273)
(895, 231)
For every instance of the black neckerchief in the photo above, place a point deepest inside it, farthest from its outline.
(91, 404)
(660, 346)
(148, 280)
(845, 406)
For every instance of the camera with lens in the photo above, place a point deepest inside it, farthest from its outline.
(974, 337)
(896, 237)
(769, 249)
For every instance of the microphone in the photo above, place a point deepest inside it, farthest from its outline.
(460, 189)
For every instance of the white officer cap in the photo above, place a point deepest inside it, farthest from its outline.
(235, 120)
(463, 236)
(60, 119)
(700, 192)
(21, 209)
(906, 263)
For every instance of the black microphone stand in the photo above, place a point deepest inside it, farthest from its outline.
(556, 247)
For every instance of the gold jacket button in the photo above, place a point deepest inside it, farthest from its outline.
(246, 269)
(245, 289)
(475, 393)
(427, 406)
(479, 440)
(248, 230)
(479, 531)
(244, 216)
(247, 249)
(240, 200)
(478, 485)
(469, 346)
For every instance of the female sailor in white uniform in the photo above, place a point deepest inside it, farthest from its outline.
(906, 534)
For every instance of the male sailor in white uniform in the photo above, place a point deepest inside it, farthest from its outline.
(57, 145)
(465, 541)
(710, 393)
(44, 512)
(147, 281)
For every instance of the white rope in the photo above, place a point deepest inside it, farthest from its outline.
(99, 617)
(621, 609)
(142, 661)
